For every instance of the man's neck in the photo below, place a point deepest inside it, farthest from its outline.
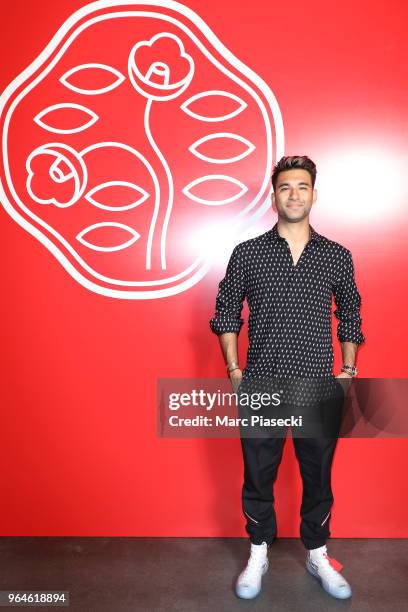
(295, 233)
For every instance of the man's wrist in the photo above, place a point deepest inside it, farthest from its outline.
(232, 366)
(344, 375)
(351, 370)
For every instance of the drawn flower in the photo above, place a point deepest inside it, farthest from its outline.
(56, 175)
(160, 68)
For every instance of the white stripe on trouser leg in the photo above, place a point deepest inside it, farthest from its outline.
(250, 517)
(325, 520)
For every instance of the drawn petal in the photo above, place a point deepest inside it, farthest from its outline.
(215, 99)
(119, 187)
(94, 229)
(91, 74)
(215, 184)
(67, 111)
(226, 136)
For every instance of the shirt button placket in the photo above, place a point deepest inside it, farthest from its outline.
(283, 305)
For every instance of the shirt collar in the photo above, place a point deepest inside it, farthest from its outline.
(276, 236)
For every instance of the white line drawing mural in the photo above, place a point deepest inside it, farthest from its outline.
(82, 126)
(194, 148)
(122, 198)
(142, 158)
(215, 177)
(90, 195)
(117, 247)
(75, 173)
(186, 106)
(89, 67)
(145, 83)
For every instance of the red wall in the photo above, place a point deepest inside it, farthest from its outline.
(78, 444)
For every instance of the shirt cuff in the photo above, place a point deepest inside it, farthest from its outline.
(348, 334)
(222, 325)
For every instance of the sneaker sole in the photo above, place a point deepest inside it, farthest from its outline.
(252, 596)
(320, 581)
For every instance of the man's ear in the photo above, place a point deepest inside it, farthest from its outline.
(273, 202)
(314, 195)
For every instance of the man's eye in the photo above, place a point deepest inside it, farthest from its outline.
(283, 188)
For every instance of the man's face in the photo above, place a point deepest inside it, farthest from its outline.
(294, 195)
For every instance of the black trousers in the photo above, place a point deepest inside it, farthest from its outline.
(262, 457)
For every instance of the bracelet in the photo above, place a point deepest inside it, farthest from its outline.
(349, 369)
(229, 371)
(234, 365)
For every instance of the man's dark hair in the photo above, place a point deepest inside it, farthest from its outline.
(290, 163)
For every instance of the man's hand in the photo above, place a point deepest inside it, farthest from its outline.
(235, 378)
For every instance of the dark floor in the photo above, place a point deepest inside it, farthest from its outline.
(198, 574)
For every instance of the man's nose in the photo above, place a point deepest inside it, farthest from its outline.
(294, 194)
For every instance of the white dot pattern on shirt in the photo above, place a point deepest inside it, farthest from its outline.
(290, 307)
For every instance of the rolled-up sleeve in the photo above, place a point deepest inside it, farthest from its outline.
(230, 297)
(348, 303)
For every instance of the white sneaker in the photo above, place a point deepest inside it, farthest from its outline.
(318, 564)
(249, 581)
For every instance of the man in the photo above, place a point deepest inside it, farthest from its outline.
(288, 276)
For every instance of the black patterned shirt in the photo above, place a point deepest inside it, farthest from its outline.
(290, 306)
